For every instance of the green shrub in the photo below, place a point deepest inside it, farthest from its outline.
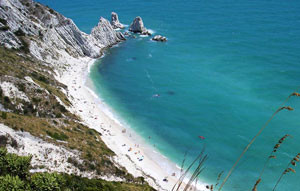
(3, 21)
(39, 91)
(4, 28)
(43, 79)
(19, 32)
(12, 183)
(58, 136)
(6, 99)
(4, 115)
(3, 153)
(3, 140)
(51, 11)
(62, 108)
(25, 44)
(41, 34)
(15, 165)
(21, 87)
(58, 115)
(14, 143)
(46, 182)
(36, 100)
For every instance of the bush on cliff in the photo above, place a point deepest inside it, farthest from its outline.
(14, 175)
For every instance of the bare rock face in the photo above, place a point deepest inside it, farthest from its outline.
(115, 23)
(137, 26)
(51, 34)
(104, 34)
(159, 38)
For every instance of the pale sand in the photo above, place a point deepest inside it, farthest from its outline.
(93, 113)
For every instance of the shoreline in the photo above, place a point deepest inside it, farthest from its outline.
(97, 115)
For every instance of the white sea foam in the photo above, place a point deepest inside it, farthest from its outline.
(90, 66)
(104, 107)
(92, 93)
(115, 46)
(178, 167)
(151, 31)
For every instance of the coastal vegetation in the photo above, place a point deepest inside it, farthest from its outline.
(44, 116)
(15, 175)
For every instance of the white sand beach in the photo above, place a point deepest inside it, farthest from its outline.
(129, 149)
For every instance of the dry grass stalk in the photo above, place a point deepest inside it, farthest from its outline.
(195, 187)
(196, 173)
(255, 186)
(253, 139)
(272, 155)
(201, 158)
(295, 94)
(219, 178)
(288, 168)
(182, 164)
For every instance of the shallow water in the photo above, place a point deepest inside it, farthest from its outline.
(225, 69)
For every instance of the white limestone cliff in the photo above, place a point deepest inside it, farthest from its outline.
(51, 33)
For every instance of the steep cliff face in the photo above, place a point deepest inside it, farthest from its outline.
(50, 34)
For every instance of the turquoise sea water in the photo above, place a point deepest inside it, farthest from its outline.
(225, 69)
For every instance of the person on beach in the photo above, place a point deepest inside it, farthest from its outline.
(165, 179)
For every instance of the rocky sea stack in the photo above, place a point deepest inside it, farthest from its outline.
(159, 38)
(137, 26)
(115, 23)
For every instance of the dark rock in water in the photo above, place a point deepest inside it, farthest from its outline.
(133, 58)
(146, 33)
(115, 23)
(126, 34)
(170, 92)
(159, 38)
(137, 26)
(120, 36)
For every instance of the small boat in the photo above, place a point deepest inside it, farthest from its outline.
(201, 137)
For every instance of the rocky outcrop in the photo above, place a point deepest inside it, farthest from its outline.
(159, 38)
(51, 34)
(115, 23)
(104, 34)
(137, 26)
